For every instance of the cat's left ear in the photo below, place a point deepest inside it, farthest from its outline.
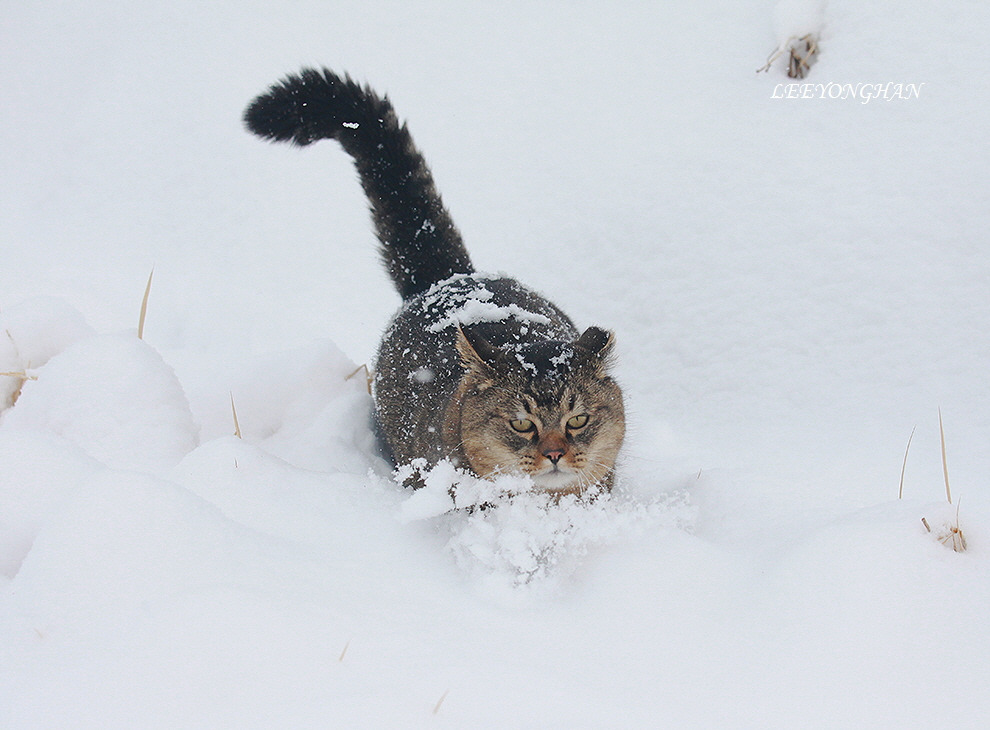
(477, 355)
(594, 348)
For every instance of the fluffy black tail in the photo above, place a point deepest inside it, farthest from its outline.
(419, 242)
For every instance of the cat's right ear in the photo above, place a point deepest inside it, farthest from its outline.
(595, 346)
(477, 355)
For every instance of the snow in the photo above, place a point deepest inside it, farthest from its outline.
(459, 306)
(115, 398)
(794, 283)
(474, 309)
(798, 18)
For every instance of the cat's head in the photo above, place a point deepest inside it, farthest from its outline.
(547, 409)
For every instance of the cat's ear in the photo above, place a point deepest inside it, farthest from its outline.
(594, 348)
(477, 355)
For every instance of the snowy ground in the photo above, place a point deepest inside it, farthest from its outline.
(795, 284)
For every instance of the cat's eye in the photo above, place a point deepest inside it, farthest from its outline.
(576, 422)
(522, 425)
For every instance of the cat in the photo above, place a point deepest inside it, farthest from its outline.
(473, 368)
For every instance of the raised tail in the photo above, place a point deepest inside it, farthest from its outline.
(419, 243)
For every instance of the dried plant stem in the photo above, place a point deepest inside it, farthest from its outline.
(22, 377)
(945, 465)
(436, 707)
(775, 54)
(237, 426)
(800, 61)
(144, 305)
(798, 65)
(368, 377)
(900, 491)
(958, 539)
(20, 374)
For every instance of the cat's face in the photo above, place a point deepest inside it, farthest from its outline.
(548, 410)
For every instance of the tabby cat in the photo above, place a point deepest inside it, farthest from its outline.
(473, 368)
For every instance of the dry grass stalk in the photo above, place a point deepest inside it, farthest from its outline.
(233, 410)
(945, 465)
(344, 652)
(22, 377)
(22, 374)
(802, 56)
(436, 707)
(144, 305)
(368, 377)
(900, 491)
(803, 52)
(774, 55)
(952, 535)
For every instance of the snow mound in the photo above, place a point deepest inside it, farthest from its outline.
(40, 471)
(134, 530)
(267, 493)
(115, 398)
(308, 406)
(31, 333)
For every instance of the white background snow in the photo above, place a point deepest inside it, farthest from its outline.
(795, 285)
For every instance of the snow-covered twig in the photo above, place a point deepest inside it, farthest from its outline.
(801, 58)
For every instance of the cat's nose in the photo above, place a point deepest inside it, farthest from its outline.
(554, 455)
